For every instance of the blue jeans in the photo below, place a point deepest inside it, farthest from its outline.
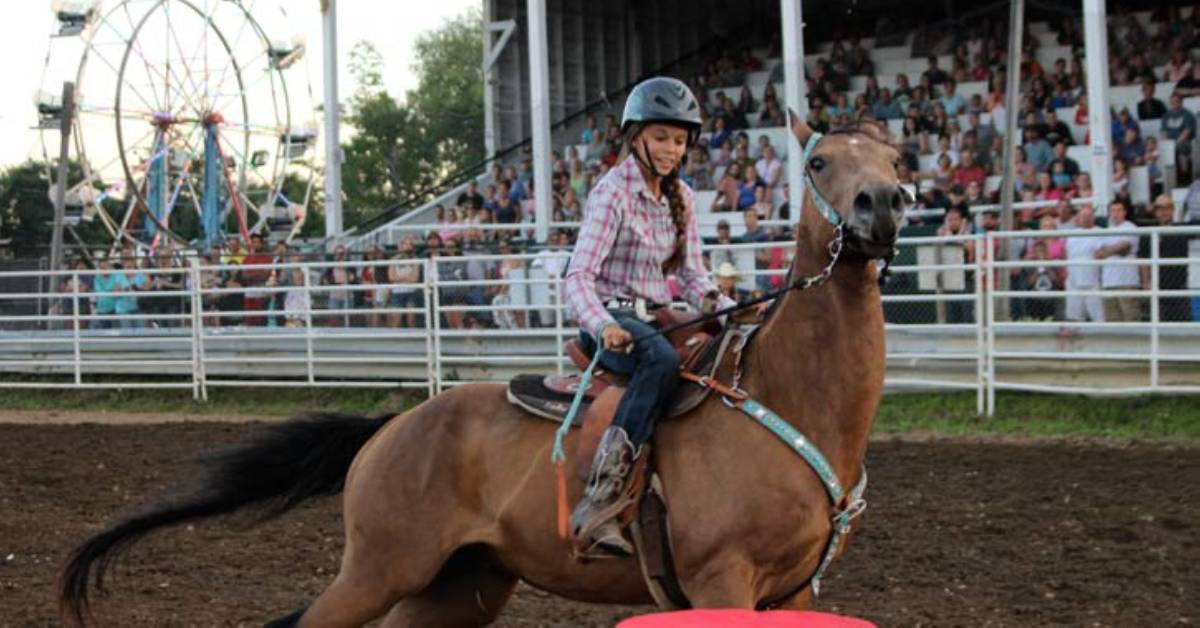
(653, 370)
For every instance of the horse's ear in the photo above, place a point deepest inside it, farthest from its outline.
(800, 128)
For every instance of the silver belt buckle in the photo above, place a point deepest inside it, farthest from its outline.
(643, 314)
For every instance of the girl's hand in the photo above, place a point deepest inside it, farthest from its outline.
(614, 337)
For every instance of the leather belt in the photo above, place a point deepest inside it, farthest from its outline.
(641, 308)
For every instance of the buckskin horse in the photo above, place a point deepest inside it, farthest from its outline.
(449, 504)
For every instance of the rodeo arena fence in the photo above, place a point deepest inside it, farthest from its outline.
(960, 315)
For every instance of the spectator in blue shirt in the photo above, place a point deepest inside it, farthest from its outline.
(953, 103)
(885, 108)
(1179, 124)
(1037, 151)
(720, 133)
(1122, 122)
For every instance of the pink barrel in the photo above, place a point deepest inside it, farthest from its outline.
(744, 619)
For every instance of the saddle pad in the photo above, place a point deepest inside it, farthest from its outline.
(530, 393)
(550, 396)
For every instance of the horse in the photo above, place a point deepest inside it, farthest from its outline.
(451, 503)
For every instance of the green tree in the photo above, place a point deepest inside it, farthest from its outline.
(400, 148)
(449, 93)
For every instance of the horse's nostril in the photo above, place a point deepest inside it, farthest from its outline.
(863, 202)
(896, 201)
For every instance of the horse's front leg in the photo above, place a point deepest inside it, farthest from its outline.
(725, 582)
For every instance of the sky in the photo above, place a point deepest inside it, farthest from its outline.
(27, 25)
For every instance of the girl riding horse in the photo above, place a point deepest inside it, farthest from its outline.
(639, 226)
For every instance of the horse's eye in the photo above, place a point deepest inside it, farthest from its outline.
(816, 163)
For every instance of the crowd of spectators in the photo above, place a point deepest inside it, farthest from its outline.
(958, 139)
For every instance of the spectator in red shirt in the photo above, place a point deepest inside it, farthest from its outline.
(968, 171)
(256, 300)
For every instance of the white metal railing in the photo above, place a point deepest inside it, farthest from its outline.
(484, 317)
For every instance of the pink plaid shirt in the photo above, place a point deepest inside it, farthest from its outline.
(625, 237)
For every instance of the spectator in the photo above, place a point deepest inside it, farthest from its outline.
(297, 301)
(579, 178)
(772, 116)
(508, 211)
(108, 281)
(405, 270)
(769, 169)
(936, 75)
(747, 187)
(1082, 248)
(1116, 274)
(255, 278)
(903, 92)
(697, 171)
(755, 232)
(451, 268)
(231, 302)
(1151, 160)
(1179, 124)
(471, 198)
(955, 223)
(1037, 151)
(1056, 130)
(592, 132)
(1171, 276)
(885, 108)
(727, 276)
(943, 174)
(727, 189)
(1149, 107)
(1045, 278)
(968, 172)
(1178, 68)
(511, 268)
(985, 134)
(721, 255)
(1190, 84)
(1131, 149)
(720, 133)
(135, 281)
(764, 206)
(1121, 123)
(1191, 204)
(341, 277)
(1069, 166)
(945, 148)
(376, 274)
(953, 103)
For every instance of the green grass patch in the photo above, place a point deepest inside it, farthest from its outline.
(221, 400)
(1029, 414)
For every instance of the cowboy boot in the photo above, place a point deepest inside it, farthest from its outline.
(594, 521)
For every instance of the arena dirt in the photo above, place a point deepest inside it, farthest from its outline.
(957, 534)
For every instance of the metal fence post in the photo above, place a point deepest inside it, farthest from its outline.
(435, 324)
(431, 369)
(75, 321)
(308, 325)
(1155, 314)
(981, 349)
(989, 302)
(199, 378)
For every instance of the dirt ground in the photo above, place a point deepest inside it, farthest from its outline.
(957, 534)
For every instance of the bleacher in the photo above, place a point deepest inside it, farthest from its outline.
(891, 61)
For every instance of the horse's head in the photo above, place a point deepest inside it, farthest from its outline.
(853, 174)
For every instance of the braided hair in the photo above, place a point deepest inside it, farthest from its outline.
(672, 186)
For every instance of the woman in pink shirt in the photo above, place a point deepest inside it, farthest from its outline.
(639, 226)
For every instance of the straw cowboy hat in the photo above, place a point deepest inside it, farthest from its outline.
(727, 270)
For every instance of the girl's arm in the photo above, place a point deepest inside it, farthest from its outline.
(597, 233)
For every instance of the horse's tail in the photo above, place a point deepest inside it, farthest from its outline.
(287, 464)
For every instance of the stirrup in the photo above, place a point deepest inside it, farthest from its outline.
(607, 540)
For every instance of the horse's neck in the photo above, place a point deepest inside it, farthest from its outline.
(818, 362)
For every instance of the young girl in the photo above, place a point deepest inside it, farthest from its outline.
(639, 226)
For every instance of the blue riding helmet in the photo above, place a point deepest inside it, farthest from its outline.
(663, 99)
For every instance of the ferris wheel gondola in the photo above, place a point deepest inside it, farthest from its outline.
(189, 115)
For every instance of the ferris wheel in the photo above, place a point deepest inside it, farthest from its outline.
(194, 115)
